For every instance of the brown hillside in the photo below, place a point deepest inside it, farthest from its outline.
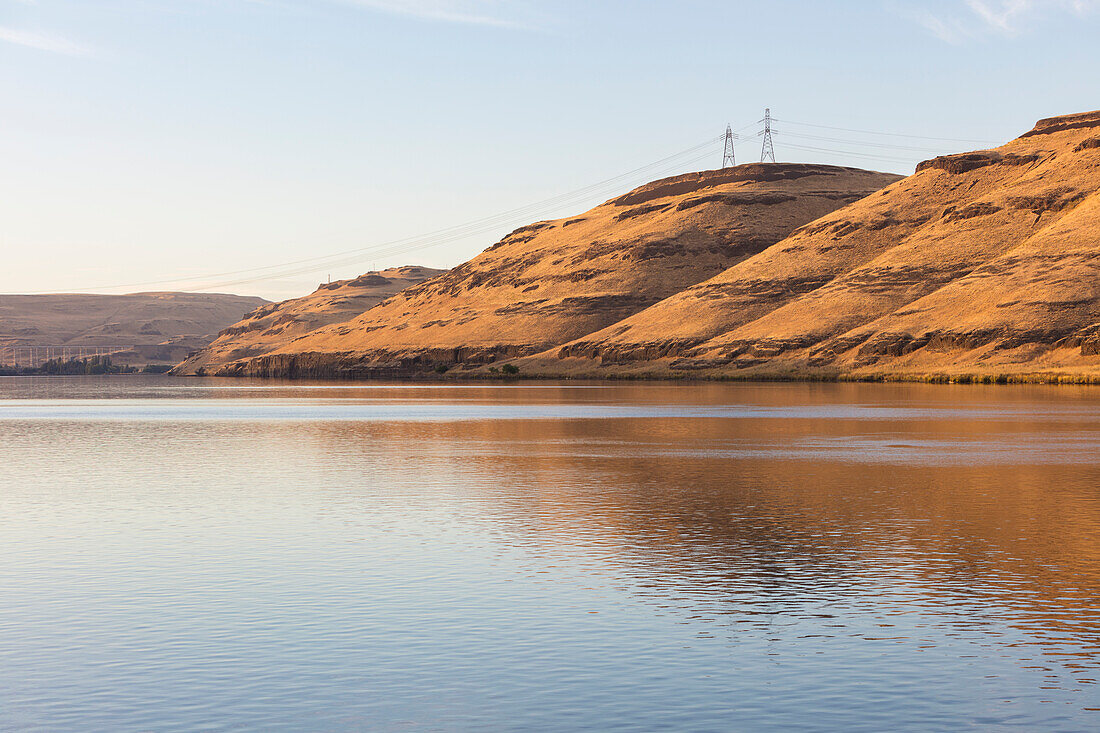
(276, 324)
(554, 281)
(985, 262)
(137, 328)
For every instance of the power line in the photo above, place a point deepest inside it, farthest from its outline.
(447, 234)
(427, 243)
(890, 134)
(870, 156)
(402, 249)
(538, 208)
(861, 142)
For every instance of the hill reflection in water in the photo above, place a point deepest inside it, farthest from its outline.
(973, 521)
(602, 556)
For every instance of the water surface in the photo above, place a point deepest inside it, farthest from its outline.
(237, 555)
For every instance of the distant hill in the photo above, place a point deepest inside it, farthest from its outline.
(981, 264)
(554, 281)
(278, 324)
(137, 329)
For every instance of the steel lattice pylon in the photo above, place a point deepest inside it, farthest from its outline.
(729, 158)
(767, 150)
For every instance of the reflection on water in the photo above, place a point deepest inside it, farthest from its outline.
(204, 554)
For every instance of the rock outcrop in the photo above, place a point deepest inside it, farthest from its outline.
(275, 325)
(554, 281)
(984, 263)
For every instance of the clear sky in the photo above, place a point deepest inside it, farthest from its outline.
(177, 140)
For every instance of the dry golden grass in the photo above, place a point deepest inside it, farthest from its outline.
(161, 327)
(554, 281)
(980, 264)
(276, 324)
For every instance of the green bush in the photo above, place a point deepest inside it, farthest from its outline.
(510, 369)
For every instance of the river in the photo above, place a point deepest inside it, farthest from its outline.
(209, 554)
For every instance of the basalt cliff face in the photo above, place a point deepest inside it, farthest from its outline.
(275, 325)
(984, 263)
(554, 281)
(135, 329)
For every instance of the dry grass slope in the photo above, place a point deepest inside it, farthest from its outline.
(554, 281)
(138, 328)
(983, 265)
(275, 325)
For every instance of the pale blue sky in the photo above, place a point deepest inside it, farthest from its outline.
(148, 140)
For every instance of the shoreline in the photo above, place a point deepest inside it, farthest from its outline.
(972, 378)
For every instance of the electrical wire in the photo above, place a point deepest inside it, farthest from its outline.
(409, 248)
(851, 153)
(523, 214)
(890, 134)
(890, 146)
(437, 237)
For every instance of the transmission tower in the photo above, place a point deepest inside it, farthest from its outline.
(767, 150)
(729, 159)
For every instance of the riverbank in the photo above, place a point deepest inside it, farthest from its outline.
(348, 367)
(93, 366)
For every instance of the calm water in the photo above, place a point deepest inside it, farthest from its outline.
(231, 555)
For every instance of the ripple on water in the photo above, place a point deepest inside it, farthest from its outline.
(197, 554)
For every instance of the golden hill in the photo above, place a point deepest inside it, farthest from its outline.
(276, 324)
(137, 328)
(554, 281)
(984, 263)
